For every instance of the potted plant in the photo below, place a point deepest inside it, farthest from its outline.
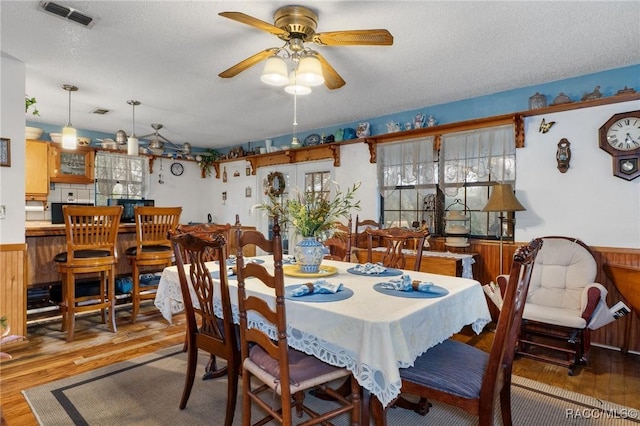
(206, 160)
(311, 215)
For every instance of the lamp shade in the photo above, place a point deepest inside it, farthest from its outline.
(275, 71)
(503, 199)
(295, 87)
(132, 146)
(69, 137)
(310, 71)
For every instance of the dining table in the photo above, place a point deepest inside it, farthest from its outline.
(371, 330)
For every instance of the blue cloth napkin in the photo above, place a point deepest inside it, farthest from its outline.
(318, 287)
(370, 268)
(405, 283)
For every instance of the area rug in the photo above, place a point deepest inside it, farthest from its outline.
(146, 391)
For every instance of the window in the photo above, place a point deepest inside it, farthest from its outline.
(408, 174)
(418, 182)
(318, 184)
(120, 176)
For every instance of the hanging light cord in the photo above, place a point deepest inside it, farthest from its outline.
(69, 121)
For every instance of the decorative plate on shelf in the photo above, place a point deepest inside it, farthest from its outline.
(312, 139)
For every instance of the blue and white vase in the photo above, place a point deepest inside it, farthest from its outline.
(309, 254)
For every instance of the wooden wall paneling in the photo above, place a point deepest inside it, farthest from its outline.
(13, 289)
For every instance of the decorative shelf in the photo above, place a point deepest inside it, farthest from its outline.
(289, 156)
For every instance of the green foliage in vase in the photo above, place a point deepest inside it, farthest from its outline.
(311, 214)
(209, 157)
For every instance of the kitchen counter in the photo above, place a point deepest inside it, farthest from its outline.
(46, 228)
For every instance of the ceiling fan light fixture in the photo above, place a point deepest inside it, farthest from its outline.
(275, 71)
(310, 71)
(295, 87)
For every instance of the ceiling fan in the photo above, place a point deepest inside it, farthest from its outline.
(157, 144)
(296, 25)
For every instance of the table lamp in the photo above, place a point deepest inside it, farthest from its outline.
(502, 200)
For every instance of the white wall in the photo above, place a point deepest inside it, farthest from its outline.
(189, 190)
(12, 122)
(587, 201)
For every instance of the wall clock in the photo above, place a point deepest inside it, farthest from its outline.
(177, 169)
(620, 137)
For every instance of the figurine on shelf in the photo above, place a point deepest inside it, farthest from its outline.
(419, 121)
(363, 130)
(393, 127)
(431, 122)
(593, 95)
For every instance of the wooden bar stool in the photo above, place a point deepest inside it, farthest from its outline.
(91, 234)
(153, 251)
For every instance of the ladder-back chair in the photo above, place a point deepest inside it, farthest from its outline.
(282, 372)
(461, 375)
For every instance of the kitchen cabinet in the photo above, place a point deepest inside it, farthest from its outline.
(36, 170)
(71, 165)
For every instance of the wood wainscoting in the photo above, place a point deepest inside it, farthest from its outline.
(13, 288)
(487, 266)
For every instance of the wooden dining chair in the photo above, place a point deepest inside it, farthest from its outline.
(217, 336)
(396, 240)
(626, 280)
(339, 243)
(266, 357)
(360, 237)
(461, 375)
(152, 251)
(91, 234)
(206, 228)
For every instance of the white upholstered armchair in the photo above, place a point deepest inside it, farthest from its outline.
(561, 300)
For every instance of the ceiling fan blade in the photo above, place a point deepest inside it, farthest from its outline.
(331, 77)
(247, 63)
(254, 22)
(354, 37)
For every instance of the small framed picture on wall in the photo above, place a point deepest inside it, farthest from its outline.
(247, 192)
(5, 152)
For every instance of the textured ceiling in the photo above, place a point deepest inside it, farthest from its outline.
(167, 55)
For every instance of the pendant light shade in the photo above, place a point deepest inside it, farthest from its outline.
(69, 134)
(275, 71)
(132, 141)
(295, 87)
(310, 71)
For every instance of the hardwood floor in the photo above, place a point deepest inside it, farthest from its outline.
(610, 375)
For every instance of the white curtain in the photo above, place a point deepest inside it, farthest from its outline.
(120, 176)
(481, 155)
(406, 164)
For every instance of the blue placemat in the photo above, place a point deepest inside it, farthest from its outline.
(343, 294)
(390, 272)
(434, 291)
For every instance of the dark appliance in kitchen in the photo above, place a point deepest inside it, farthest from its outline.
(56, 211)
(128, 204)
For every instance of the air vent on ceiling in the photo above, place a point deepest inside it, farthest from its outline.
(66, 12)
(101, 111)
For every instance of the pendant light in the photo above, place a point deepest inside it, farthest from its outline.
(132, 141)
(69, 134)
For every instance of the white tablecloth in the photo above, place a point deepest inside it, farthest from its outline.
(371, 334)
